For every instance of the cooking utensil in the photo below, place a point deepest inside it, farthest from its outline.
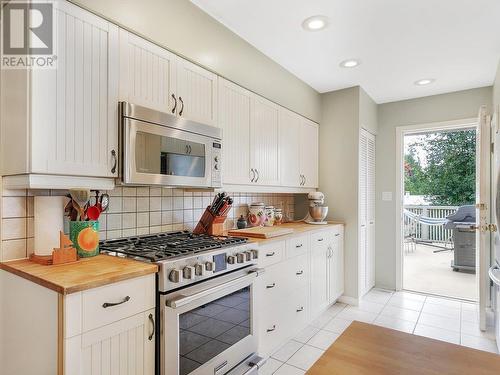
(80, 198)
(104, 202)
(93, 213)
(318, 213)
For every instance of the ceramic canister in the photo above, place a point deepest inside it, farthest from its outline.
(85, 237)
(278, 216)
(256, 215)
(269, 212)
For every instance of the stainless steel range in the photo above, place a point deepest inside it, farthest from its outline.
(206, 303)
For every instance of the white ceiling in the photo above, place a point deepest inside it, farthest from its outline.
(456, 42)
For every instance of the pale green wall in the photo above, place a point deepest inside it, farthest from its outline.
(445, 107)
(183, 28)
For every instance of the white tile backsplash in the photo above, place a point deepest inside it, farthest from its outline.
(132, 211)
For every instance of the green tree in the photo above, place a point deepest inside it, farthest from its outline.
(414, 179)
(449, 174)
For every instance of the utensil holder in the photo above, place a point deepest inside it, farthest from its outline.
(85, 237)
(210, 224)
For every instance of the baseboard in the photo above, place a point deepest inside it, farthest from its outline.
(349, 300)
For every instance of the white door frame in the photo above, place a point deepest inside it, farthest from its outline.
(401, 131)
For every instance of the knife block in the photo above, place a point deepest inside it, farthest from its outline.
(210, 224)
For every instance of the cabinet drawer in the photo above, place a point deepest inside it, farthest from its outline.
(300, 309)
(107, 304)
(320, 238)
(297, 246)
(299, 271)
(271, 253)
(271, 287)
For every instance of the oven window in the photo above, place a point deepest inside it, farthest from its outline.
(157, 154)
(212, 328)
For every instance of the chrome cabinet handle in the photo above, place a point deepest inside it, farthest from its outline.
(113, 168)
(175, 103)
(271, 286)
(298, 246)
(182, 105)
(253, 175)
(271, 329)
(337, 234)
(300, 309)
(258, 175)
(110, 304)
(305, 180)
(187, 149)
(320, 239)
(299, 273)
(270, 254)
(150, 337)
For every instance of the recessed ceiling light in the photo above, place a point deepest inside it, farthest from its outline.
(351, 63)
(425, 81)
(315, 23)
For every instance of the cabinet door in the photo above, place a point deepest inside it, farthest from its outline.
(337, 266)
(319, 273)
(234, 119)
(146, 73)
(264, 141)
(196, 93)
(289, 147)
(309, 152)
(370, 210)
(74, 107)
(122, 347)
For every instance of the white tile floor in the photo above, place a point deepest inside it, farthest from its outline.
(438, 318)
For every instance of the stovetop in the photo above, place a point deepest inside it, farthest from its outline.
(167, 246)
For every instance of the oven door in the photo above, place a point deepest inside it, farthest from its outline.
(159, 155)
(209, 328)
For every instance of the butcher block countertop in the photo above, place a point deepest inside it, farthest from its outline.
(370, 349)
(85, 274)
(299, 227)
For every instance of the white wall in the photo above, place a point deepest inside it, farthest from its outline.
(183, 28)
(452, 106)
(496, 87)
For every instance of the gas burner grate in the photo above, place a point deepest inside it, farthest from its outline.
(162, 246)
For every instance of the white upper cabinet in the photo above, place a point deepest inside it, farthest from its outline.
(289, 146)
(264, 141)
(147, 73)
(309, 153)
(234, 120)
(64, 121)
(155, 78)
(196, 93)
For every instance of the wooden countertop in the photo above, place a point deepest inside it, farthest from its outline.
(299, 227)
(370, 349)
(85, 274)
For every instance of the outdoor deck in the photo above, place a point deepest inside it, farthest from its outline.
(429, 272)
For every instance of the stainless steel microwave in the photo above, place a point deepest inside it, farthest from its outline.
(161, 149)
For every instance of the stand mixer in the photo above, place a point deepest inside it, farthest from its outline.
(317, 212)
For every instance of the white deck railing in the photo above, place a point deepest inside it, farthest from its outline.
(431, 233)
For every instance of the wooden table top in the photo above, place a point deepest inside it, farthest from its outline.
(370, 349)
(85, 274)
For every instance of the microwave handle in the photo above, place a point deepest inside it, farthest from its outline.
(185, 299)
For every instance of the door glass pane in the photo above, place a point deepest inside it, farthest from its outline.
(212, 328)
(157, 154)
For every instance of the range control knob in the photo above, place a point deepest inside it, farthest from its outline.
(210, 266)
(199, 269)
(255, 254)
(175, 276)
(188, 272)
(231, 259)
(248, 255)
(241, 257)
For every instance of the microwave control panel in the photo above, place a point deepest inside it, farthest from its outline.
(216, 164)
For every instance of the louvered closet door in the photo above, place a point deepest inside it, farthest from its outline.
(147, 73)
(74, 106)
(362, 202)
(366, 211)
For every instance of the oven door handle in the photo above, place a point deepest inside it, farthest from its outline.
(185, 299)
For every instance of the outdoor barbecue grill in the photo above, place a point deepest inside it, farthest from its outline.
(464, 238)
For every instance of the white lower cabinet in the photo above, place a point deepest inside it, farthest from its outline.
(125, 345)
(303, 276)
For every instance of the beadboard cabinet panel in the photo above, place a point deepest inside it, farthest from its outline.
(196, 93)
(309, 153)
(147, 73)
(264, 141)
(289, 147)
(234, 120)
